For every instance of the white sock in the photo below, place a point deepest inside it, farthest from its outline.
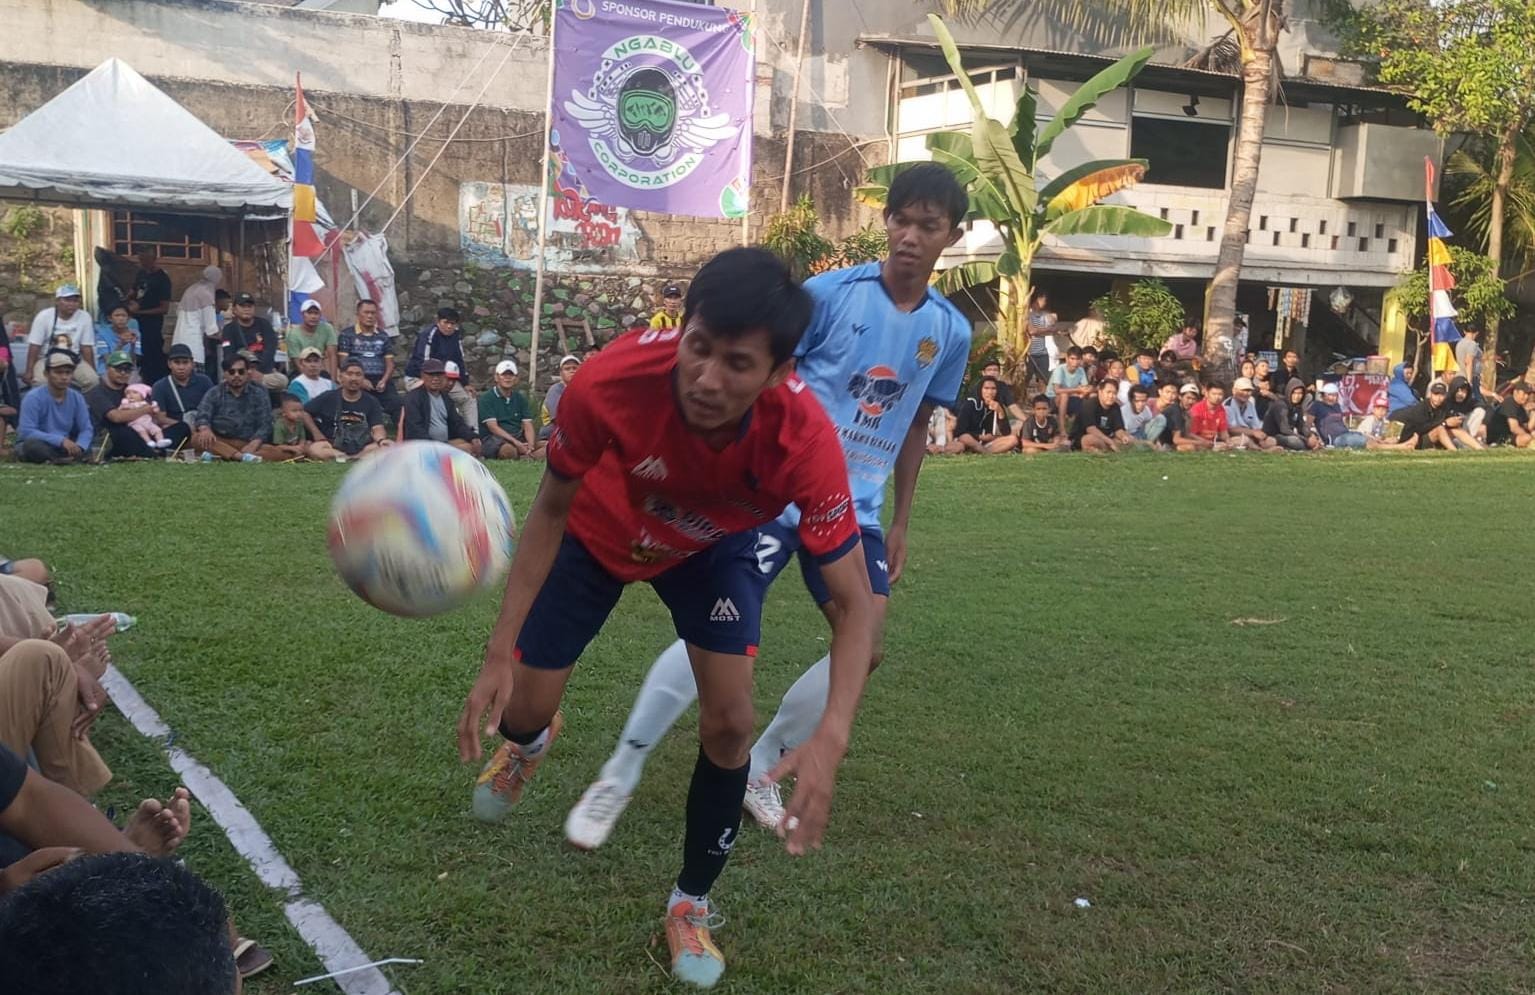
(668, 690)
(679, 896)
(533, 749)
(796, 718)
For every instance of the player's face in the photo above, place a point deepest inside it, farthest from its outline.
(917, 234)
(719, 377)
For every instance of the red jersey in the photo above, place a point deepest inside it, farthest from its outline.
(654, 493)
(1208, 420)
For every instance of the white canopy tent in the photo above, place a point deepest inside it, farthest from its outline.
(114, 139)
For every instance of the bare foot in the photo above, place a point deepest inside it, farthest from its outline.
(159, 829)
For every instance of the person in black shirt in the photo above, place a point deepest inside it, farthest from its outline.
(1426, 418)
(1100, 427)
(347, 421)
(1509, 423)
(151, 301)
(10, 392)
(1015, 413)
(982, 425)
(1041, 433)
(111, 419)
(252, 333)
(1176, 434)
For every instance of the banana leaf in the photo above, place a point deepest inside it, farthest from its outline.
(1087, 96)
(1103, 219)
(1093, 186)
(1024, 124)
(972, 274)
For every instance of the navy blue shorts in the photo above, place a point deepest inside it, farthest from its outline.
(715, 599)
(776, 543)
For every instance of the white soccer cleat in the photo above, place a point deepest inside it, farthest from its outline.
(592, 819)
(764, 802)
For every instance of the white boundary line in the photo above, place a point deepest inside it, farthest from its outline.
(330, 942)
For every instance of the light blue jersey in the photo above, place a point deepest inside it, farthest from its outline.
(872, 365)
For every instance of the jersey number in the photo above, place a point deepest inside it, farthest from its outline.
(767, 549)
(650, 335)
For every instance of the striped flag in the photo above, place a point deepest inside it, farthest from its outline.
(1440, 281)
(306, 242)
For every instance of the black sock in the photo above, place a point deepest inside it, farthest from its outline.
(714, 816)
(524, 738)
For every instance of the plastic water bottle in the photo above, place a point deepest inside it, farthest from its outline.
(124, 622)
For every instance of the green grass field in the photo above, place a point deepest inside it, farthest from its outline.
(1337, 800)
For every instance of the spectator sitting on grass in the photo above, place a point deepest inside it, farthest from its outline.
(1243, 418)
(1176, 435)
(1467, 421)
(1509, 423)
(1041, 431)
(119, 334)
(1114, 369)
(1143, 424)
(309, 385)
(55, 424)
(983, 426)
(179, 393)
(68, 327)
(1264, 393)
(1400, 394)
(442, 341)
(1091, 368)
(10, 395)
(428, 415)
(506, 417)
(370, 345)
(1426, 419)
(1015, 412)
(568, 367)
(112, 419)
(1207, 418)
(1068, 386)
(1373, 428)
(1286, 420)
(290, 430)
(346, 422)
(940, 430)
(1145, 372)
(1289, 369)
(234, 419)
(1100, 427)
(1167, 368)
(1331, 424)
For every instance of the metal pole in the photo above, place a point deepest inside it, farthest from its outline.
(746, 219)
(799, 63)
(543, 222)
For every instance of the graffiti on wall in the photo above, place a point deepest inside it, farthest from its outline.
(498, 224)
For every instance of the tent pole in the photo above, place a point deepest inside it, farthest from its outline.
(543, 223)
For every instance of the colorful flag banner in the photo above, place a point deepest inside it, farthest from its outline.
(1441, 310)
(306, 241)
(653, 104)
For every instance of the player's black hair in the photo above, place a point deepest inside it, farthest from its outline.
(116, 924)
(742, 290)
(929, 183)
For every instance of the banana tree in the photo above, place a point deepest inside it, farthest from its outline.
(997, 165)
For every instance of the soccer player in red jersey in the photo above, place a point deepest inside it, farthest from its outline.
(671, 446)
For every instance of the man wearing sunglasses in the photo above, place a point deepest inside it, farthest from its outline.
(234, 420)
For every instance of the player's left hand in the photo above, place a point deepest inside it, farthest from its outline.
(490, 693)
(814, 767)
(895, 553)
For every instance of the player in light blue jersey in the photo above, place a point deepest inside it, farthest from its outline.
(882, 350)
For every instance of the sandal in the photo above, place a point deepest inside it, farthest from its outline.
(250, 959)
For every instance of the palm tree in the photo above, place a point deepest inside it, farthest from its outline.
(1255, 27)
(1478, 170)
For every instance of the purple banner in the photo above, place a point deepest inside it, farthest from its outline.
(653, 105)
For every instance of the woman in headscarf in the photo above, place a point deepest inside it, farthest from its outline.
(197, 319)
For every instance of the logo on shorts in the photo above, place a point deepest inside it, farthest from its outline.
(882, 565)
(650, 468)
(724, 611)
(727, 840)
(878, 391)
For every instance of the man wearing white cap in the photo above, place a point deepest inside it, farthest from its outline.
(1243, 418)
(312, 332)
(568, 367)
(64, 326)
(506, 417)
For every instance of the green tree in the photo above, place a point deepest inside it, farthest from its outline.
(1142, 317)
(1475, 169)
(1468, 66)
(795, 237)
(997, 163)
(1254, 29)
(1478, 295)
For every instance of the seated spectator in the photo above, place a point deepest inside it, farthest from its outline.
(982, 425)
(1068, 386)
(1289, 369)
(1091, 368)
(115, 924)
(1207, 418)
(1015, 412)
(312, 332)
(506, 417)
(568, 367)
(234, 419)
(442, 341)
(1247, 368)
(1177, 435)
(1100, 428)
(1184, 343)
(1330, 422)
(48, 702)
(428, 415)
(290, 430)
(10, 395)
(309, 384)
(940, 430)
(346, 422)
(1114, 369)
(35, 571)
(116, 405)
(1286, 420)
(1243, 418)
(1167, 368)
(1142, 423)
(120, 333)
(1467, 421)
(1400, 394)
(1374, 428)
(1263, 387)
(55, 424)
(179, 393)
(255, 335)
(1145, 372)
(68, 327)
(1509, 424)
(1041, 431)
(1426, 419)
(369, 344)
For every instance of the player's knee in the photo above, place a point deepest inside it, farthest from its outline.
(40, 661)
(34, 570)
(725, 730)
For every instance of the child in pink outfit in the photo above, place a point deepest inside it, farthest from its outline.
(136, 397)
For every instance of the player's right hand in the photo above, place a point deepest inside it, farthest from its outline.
(491, 691)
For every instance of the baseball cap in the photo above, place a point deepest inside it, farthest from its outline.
(569, 359)
(310, 305)
(433, 366)
(119, 358)
(1243, 383)
(179, 351)
(1189, 388)
(67, 290)
(1329, 388)
(244, 299)
(308, 351)
(59, 357)
(671, 290)
(507, 366)
(451, 369)
(1382, 402)
(1438, 387)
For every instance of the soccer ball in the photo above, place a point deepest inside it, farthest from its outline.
(420, 528)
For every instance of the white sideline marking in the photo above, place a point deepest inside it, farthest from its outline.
(330, 942)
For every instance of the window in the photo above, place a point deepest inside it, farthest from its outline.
(174, 237)
(1181, 153)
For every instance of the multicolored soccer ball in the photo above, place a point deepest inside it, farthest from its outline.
(420, 528)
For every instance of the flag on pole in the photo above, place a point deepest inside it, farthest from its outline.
(1441, 310)
(305, 242)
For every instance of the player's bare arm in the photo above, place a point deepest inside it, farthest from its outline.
(908, 463)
